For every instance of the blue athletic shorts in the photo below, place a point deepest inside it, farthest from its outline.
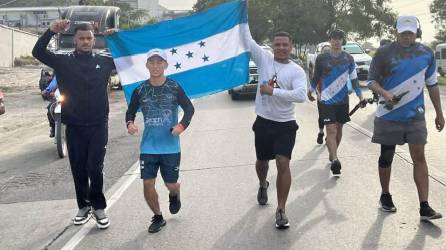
(169, 165)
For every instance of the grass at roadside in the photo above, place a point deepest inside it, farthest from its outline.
(442, 80)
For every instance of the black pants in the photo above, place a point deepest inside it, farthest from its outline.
(50, 108)
(86, 151)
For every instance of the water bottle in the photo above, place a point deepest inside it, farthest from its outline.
(264, 97)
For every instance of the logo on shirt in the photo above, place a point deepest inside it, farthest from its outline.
(420, 109)
(97, 66)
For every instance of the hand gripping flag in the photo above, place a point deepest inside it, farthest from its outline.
(205, 51)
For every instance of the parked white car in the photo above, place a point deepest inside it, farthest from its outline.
(440, 56)
(362, 59)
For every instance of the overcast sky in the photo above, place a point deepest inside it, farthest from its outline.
(178, 4)
(419, 8)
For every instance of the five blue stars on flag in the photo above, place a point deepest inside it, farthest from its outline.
(189, 55)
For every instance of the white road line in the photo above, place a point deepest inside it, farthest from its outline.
(117, 190)
(434, 172)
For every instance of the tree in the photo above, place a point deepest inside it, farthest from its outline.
(205, 4)
(438, 11)
(316, 18)
(311, 21)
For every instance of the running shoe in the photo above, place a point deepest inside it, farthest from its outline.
(281, 220)
(427, 214)
(336, 167)
(82, 216)
(102, 221)
(157, 224)
(386, 203)
(262, 194)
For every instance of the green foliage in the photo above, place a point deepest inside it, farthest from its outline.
(311, 21)
(205, 4)
(25, 60)
(438, 11)
(133, 25)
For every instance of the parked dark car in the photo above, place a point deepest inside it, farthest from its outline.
(250, 88)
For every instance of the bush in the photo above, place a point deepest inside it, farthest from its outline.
(25, 60)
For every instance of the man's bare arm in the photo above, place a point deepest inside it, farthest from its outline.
(376, 88)
(434, 94)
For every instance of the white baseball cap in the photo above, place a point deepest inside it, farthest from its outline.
(157, 52)
(406, 23)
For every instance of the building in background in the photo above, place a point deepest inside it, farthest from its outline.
(35, 19)
(38, 19)
(154, 9)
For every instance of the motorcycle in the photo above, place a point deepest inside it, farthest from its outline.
(2, 104)
(59, 135)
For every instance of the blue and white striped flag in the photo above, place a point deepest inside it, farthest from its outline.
(205, 51)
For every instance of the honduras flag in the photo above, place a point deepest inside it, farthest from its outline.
(205, 51)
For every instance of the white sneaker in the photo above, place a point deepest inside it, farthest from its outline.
(102, 221)
(82, 216)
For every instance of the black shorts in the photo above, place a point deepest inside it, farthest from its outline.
(332, 113)
(169, 164)
(274, 138)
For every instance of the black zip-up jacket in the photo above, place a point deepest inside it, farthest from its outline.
(82, 79)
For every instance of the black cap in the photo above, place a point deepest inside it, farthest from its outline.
(337, 33)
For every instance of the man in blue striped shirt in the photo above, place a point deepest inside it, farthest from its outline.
(331, 74)
(398, 73)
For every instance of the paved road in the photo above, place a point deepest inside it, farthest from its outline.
(219, 187)
(33, 179)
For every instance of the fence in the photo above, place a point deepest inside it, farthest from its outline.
(13, 44)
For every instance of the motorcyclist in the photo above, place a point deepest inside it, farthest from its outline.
(48, 94)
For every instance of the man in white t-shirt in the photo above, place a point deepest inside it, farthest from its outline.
(281, 84)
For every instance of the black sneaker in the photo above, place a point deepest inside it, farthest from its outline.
(336, 167)
(262, 194)
(82, 216)
(427, 214)
(157, 223)
(281, 220)
(102, 221)
(386, 203)
(174, 203)
(320, 137)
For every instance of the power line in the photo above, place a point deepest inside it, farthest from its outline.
(1, 5)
